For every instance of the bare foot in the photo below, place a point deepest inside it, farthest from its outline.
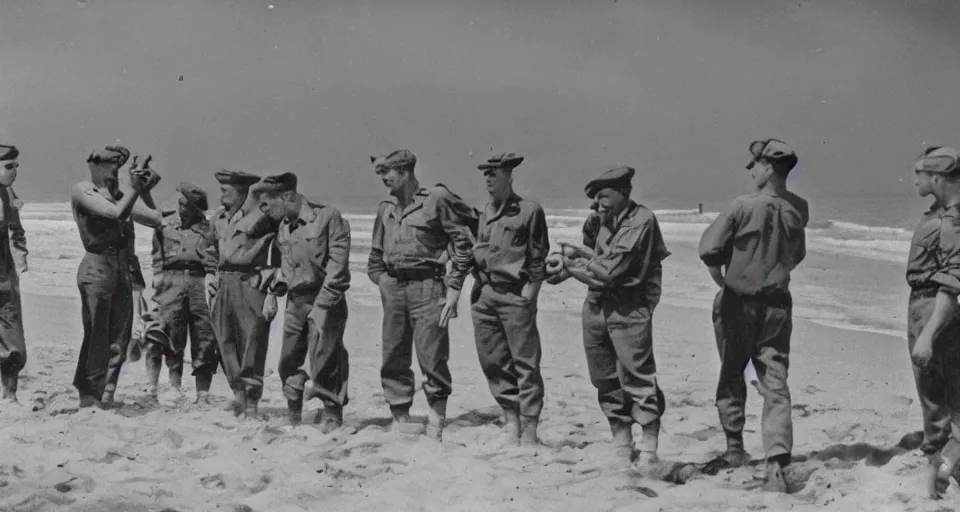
(774, 480)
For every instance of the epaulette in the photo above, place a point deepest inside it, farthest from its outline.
(448, 190)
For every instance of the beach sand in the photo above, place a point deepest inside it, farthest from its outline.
(855, 414)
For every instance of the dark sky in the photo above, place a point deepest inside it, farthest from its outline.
(674, 88)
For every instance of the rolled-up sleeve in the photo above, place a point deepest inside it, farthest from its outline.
(336, 281)
(452, 211)
(375, 264)
(948, 275)
(538, 246)
(714, 247)
(632, 247)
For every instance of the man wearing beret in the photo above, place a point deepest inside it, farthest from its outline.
(13, 261)
(314, 240)
(933, 325)
(406, 261)
(179, 301)
(240, 249)
(104, 210)
(509, 256)
(759, 240)
(622, 270)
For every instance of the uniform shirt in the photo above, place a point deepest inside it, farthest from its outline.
(13, 238)
(948, 251)
(417, 236)
(629, 250)
(316, 253)
(760, 239)
(512, 243)
(99, 234)
(175, 244)
(242, 239)
(923, 262)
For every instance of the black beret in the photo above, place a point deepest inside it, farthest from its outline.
(194, 195)
(505, 161)
(615, 178)
(280, 182)
(8, 152)
(236, 178)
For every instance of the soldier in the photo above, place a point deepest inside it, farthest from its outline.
(759, 240)
(622, 270)
(13, 261)
(315, 275)
(240, 248)
(509, 256)
(104, 210)
(933, 272)
(180, 264)
(409, 238)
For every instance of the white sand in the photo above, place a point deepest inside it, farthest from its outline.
(848, 387)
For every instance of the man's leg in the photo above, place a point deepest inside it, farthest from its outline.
(13, 348)
(255, 332)
(293, 353)
(630, 326)
(772, 362)
(229, 336)
(204, 352)
(734, 349)
(432, 343)
(171, 308)
(519, 320)
(496, 362)
(604, 375)
(96, 281)
(120, 330)
(396, 375)
(329, 364)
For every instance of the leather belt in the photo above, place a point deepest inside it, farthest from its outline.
(415, 274)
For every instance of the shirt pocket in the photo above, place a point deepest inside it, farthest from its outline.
(513, 235)
(425, 233)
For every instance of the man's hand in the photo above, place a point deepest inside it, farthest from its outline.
(449, 308)
(558, 277)
(210, 283)
(316, 316)
(269, 311)
(717, 274)
(553, 263)
(922, 352)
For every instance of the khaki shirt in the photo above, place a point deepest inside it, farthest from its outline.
(760, 239)
(316, 253)
(417, 236)
(512, 242)
(629, 250)
(178, 246)
(13, 254)
(243, 239)
(922, 262)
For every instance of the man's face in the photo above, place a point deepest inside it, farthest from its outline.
(231, 196)
(925, 182)
(393, 179)
(761, 173)
(498, 181)
(8, 172)
(273, 205)
(609, 203)
(186, 210)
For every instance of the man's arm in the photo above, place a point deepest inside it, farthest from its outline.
(630, 245)
(538, 246)
(375, 264)
(337, 267)
(18, 240)
(450, 211)
(714, 246)
(85, 195)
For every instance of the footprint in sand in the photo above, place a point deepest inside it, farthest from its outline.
(213, 482)
(205, 451)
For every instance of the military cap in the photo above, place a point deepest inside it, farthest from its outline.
(770, 150)
(236, 178)
(194, 195)
(399, 159)
(117, 155)
(616, 178)
(939, 160)
(505, 161)
(8, 152)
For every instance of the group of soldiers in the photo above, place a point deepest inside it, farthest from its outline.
(219, 280)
